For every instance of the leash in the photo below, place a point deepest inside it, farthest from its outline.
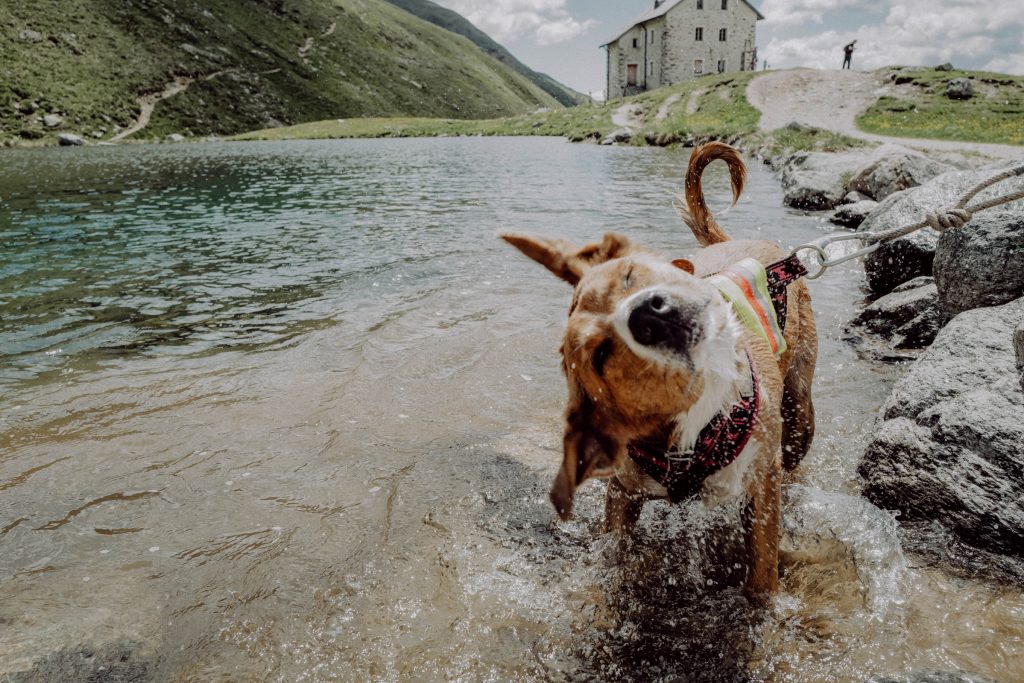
(955, 217)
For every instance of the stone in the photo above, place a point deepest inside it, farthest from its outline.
(932, 677)
(948, 447)
(852, 215)
(621, 135)
(911, 256)
(70, 140)
(175, 137)
(944, 67)
(981, 264)
(853, 197)
(1018, 349)
(894, 168)
(960, 89)
(908, 316)
(52, 120)
(817, 180)
(29, 34)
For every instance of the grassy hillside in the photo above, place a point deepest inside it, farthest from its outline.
(922, 110)
(456, 23)
(253, 64)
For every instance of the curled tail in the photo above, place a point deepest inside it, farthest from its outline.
(696, 213)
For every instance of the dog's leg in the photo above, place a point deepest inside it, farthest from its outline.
(621, 508)
(761, 523)
(797, 405)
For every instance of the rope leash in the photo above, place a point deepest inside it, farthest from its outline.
(955, 217)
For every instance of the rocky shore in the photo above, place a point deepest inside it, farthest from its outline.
(949, 448)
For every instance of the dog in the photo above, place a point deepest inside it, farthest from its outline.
(658, 366)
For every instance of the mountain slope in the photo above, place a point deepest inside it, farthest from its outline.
(246, 64)
(456, 23)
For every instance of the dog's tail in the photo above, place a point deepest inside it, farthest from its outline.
(696, 213)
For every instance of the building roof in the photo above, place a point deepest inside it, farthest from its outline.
(662, 10)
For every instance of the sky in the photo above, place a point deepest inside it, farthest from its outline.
(562, 38)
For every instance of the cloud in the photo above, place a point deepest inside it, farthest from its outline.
(545, 22)
(968, 33)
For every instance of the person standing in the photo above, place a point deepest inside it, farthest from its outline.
(848, 53)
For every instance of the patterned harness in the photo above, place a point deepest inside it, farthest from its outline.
(758, 295)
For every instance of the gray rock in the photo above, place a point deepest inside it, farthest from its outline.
(70, 140)
(908, 316)
(175, 137)
(29, 34)
(894, 168)
(981, 264)
(1018, 349)
(912, 256)
(52, 120)
(118, 662)
(853, 197)
(817, 180)
(621, 135)
(960, 89)
(944, 67)
(852, 215)
(948, 448)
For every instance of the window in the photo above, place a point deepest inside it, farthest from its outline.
(725, 4)
(721, 66)
(698, 66)
(634, 42)
(700, 4)
(652, 35)
(700, 34)
(721, 34)
(651, 72)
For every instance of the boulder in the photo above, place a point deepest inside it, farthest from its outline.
(944, 67)
(948, 448)
(852, 215)
(854, 197)
(908, 316)
(175, 137)
(52, 120)
(621, 135)
(960, 89)
(817, 180)
(981, 264)
(70, 140)
(912, 256)
(894, 168)
(30, 35)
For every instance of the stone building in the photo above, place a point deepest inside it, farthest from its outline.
(679, 40)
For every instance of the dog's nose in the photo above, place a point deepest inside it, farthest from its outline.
(655, 321)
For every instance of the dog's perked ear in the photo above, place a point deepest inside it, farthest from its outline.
(588, 451)
(563, 258)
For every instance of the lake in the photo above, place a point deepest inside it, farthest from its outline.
(290, 411)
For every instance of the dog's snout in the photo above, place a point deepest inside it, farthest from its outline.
(655, 321)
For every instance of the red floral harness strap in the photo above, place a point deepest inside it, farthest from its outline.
(724, 438)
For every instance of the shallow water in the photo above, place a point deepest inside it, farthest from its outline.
(290, 411)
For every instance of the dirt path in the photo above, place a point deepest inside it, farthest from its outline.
(628, 116)
(147, 103)
(832, 100)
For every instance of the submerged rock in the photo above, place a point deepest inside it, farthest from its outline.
(908, 257)
(894, 168)
(981, 264)
(932, 677)
(621, 135)
(948, 448)
(817, 180)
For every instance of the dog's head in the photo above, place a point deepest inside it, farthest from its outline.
(641, 333)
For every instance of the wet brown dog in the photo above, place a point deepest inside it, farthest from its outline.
(653, 353)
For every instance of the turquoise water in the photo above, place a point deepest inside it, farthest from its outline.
(290, 411)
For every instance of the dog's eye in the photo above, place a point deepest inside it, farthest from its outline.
(627, 279)
(601, 355)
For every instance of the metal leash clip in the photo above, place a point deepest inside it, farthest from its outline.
(819, 249)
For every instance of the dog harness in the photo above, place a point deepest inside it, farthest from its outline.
(758, 295)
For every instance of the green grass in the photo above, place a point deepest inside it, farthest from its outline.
(994, 114)
(95, 57)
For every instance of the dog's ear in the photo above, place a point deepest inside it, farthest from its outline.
(564, 259)
(586, 448)
(684, 264)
